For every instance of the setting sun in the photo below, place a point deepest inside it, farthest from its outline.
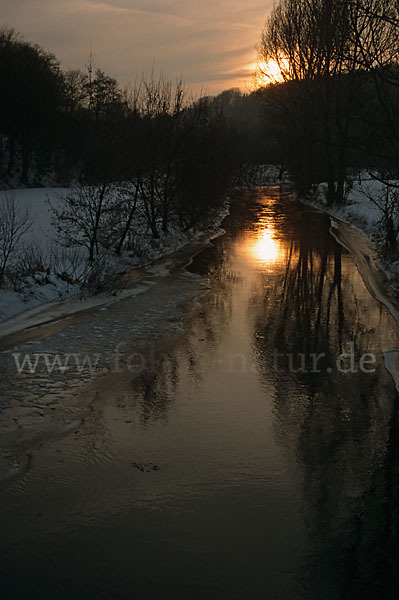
(270, 72)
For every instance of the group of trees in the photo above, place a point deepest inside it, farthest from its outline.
(337, 105)
(50, 119)
(148, 157)
(150, 148)
(168, 162)
(30, 80)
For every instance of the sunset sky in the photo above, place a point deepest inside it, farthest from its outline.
(210, 42)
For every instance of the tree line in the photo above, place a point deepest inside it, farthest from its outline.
(174, 154)
(149, 154)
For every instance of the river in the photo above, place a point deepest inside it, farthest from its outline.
(259, 458)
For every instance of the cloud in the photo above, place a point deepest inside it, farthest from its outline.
(211, 42)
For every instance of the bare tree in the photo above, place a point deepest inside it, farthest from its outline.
(14, 223)
(375, 25)
(88, 217)
(386, 199)
(159, 105)
(127, 211)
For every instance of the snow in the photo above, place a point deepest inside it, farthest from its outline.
(41, 288)
(361, 211)
(51, 289)
(37, 201)
(52, 311)
(358, 210)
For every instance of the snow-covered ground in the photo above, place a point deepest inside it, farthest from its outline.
(358, 209)
(65, 269)
(42, 287)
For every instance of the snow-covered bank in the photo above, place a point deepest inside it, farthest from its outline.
(363, 210)
(59, 284)
(356, 225)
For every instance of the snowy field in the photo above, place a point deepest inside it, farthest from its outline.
(43, 287)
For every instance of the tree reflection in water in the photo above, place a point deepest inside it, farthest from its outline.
(300, 294)
(339, 431)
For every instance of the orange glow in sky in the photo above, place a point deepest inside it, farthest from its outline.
(270, 72)
(210, 44)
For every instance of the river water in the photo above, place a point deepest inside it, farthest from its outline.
(240, 467)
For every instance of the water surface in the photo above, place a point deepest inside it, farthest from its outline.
(232, 470)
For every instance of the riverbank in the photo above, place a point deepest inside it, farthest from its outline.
(140, 329)
(363, 209)
(143, 312)
(355, 227)
(46, 278)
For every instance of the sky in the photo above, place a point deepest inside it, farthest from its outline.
(211, 43)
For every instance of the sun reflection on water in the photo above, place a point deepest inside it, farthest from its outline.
(265, 248)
